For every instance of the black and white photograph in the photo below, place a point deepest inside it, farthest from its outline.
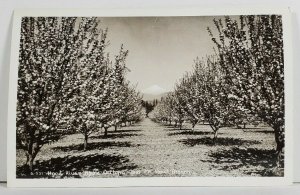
(150, 97)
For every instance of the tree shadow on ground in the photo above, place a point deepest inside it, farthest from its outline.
(247, 128)
(113, 135)
(92, 146)
(169, 126)
(74, 166)
(124, 131)
(166, 125)
(190, 132)
(261, 160)
(183, 127)
(177, 129)
(133, 125)
(260, 131)
(221, 141)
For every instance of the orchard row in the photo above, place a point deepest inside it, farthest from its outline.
(68, 82)
(243, 82)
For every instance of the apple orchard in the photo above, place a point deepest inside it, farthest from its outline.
(69, 84)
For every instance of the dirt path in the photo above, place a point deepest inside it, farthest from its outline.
(160, 154)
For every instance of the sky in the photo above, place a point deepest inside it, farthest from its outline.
(161, 49)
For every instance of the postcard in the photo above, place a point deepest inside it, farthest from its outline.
(150, 97)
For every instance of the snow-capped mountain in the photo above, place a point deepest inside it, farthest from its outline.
(153, 92)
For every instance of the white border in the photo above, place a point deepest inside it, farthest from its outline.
(150, 181)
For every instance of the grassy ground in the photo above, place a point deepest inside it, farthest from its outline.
(152, 149)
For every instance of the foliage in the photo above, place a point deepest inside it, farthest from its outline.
(251, 57)
(199, 96)
(47, 60)
(66, 79)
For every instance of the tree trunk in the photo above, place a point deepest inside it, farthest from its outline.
(85, 142)
(30, 153)
(279, 138)
(215, 136)
(175, 123)
(27, 158)
(105, 131)
(31, 159)
(180, 125)
(244, 126)
(193, 126)
(116, 127)
(170, 122)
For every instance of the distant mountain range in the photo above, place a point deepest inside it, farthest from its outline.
(150, 97)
